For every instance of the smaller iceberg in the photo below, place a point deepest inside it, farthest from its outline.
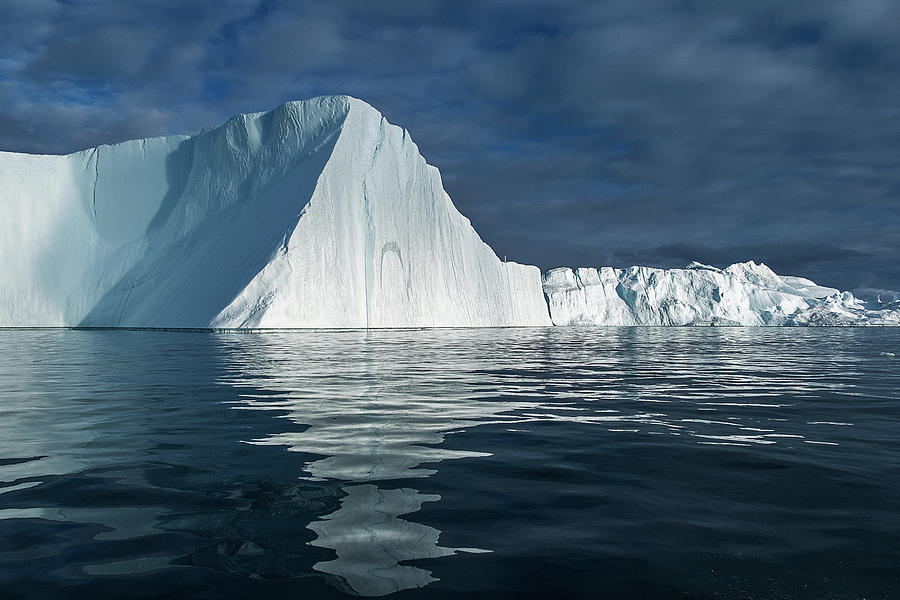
(742, 294)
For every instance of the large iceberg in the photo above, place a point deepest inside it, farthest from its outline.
(316, 214)
(320, 213)
(742, 294)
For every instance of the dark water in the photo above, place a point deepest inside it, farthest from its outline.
(513, 463)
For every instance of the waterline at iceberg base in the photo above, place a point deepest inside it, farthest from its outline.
(320, 214)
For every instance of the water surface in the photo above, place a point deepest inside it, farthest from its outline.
(517, 463)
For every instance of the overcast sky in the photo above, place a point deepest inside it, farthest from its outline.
(570, 133)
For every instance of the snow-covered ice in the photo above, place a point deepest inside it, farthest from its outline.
(316, 214)
(741, 294)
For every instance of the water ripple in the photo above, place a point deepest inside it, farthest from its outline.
(332, 457)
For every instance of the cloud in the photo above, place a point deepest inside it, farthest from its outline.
(573, 132)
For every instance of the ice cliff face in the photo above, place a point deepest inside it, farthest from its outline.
(316, 214)
(742, 294)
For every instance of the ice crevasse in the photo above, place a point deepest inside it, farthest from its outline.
(318, 213)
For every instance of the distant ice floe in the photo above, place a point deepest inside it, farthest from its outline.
(741, 294)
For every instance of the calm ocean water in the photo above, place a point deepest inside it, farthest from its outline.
(634, 463)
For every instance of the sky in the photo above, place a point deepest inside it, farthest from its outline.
(570, 132)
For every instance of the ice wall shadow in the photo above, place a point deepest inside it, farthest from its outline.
(228, 209)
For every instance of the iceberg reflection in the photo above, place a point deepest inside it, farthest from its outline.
(377, 406)
(371, 541)
(393, 420)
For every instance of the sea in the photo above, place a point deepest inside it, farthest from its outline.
(597, 463)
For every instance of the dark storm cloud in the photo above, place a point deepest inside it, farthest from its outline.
(569, 132)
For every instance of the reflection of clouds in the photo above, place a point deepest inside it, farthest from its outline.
(123, 522)
(56, 426)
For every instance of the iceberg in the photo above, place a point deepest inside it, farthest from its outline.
(745, 293)
(318, 213)
(321, 214)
